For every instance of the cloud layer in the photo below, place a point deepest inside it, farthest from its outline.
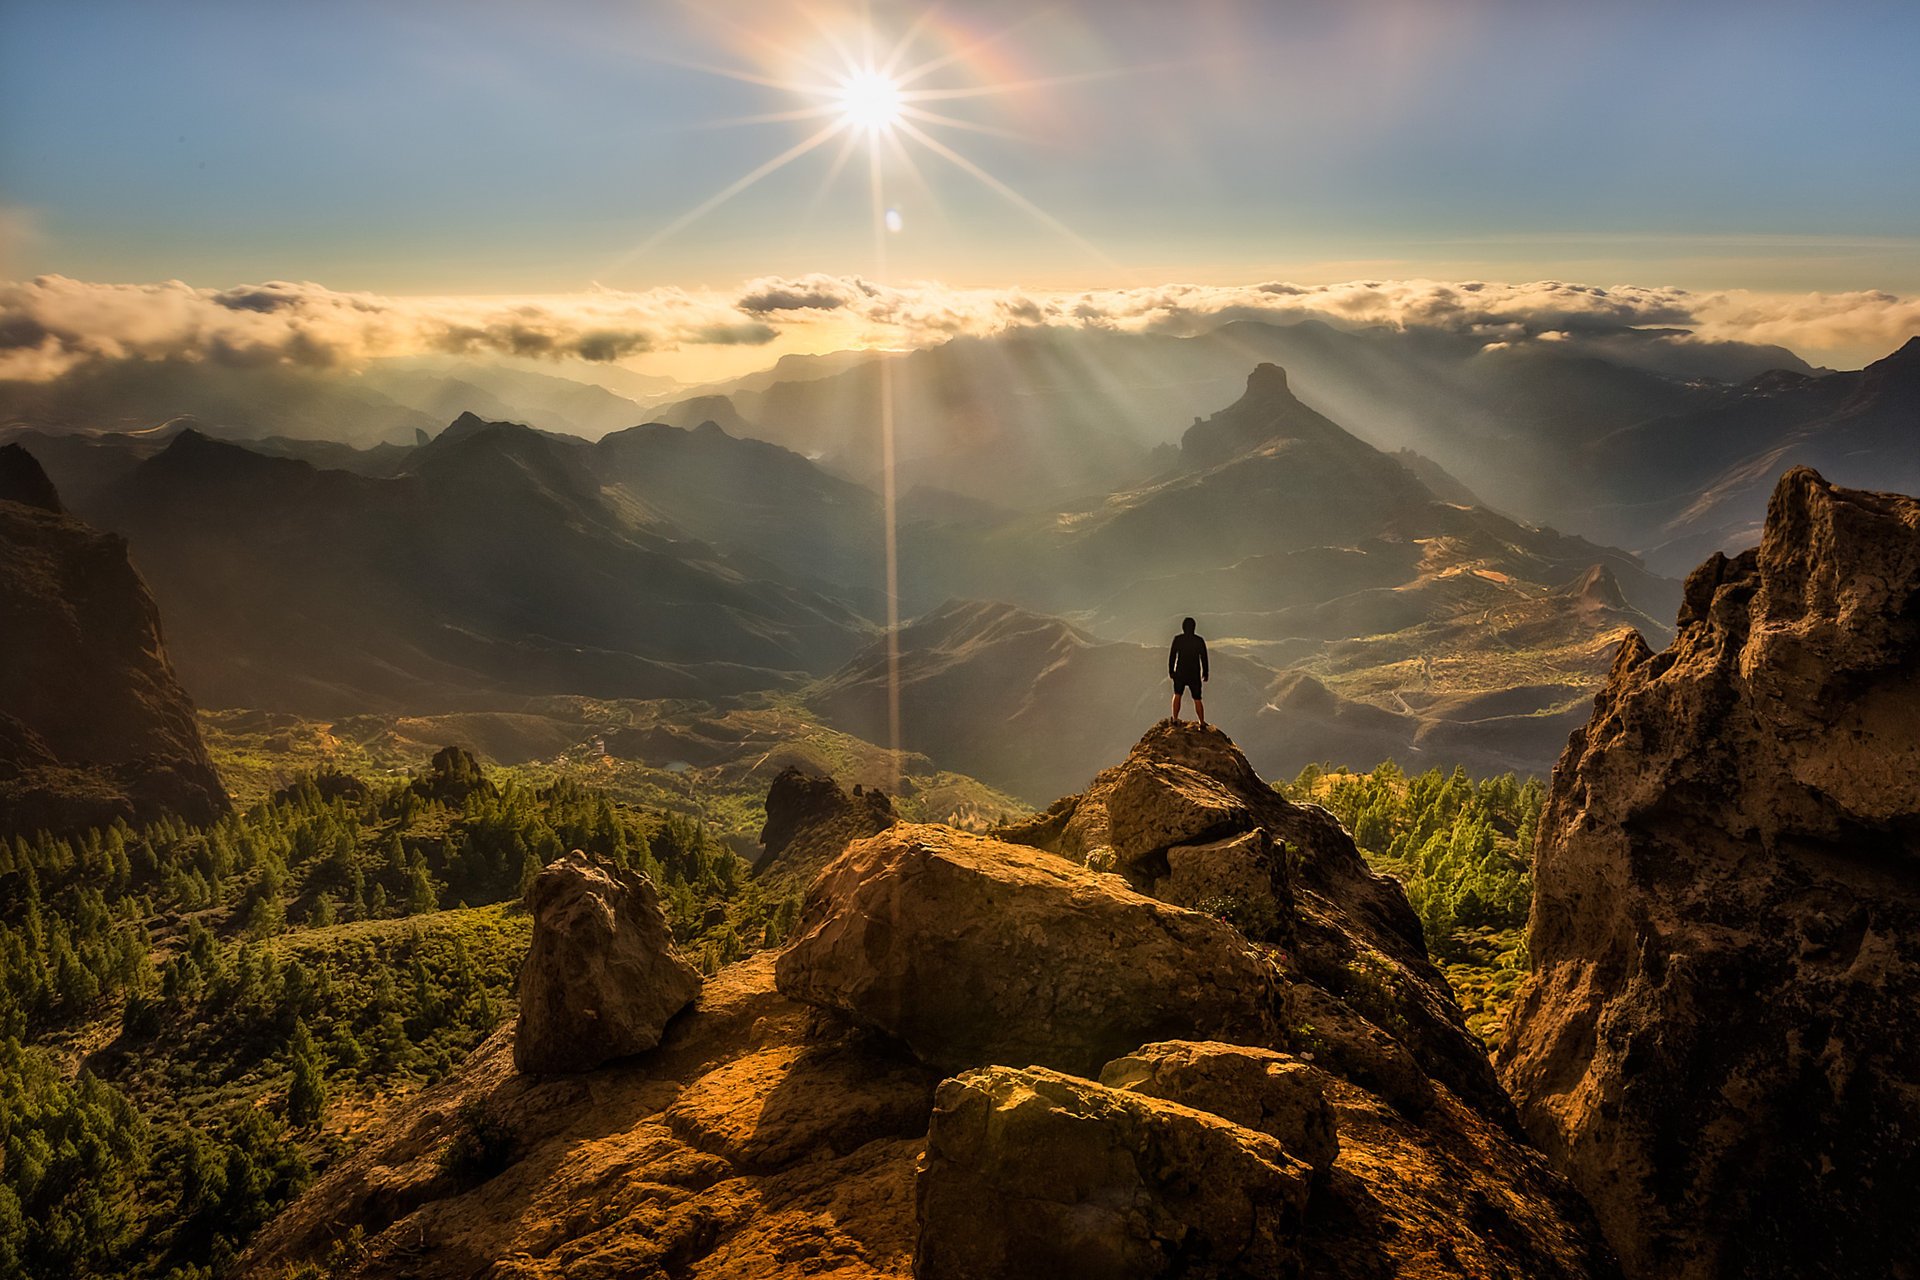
(52, 324)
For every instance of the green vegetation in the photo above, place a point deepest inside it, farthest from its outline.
(194, 1021)
(1464, 851)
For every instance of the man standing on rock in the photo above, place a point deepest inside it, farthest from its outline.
(1187, 667)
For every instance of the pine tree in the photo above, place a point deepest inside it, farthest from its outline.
(307, 1089)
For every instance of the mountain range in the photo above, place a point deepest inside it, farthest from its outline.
(1614, 435)
(1354, 608)
(1362, 596)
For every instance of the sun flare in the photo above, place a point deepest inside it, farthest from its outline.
(870, 100)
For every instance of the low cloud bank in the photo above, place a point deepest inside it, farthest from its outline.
(52, 324)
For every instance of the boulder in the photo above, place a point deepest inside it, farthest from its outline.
(1032, 1173)
(1260, 1089)
(1241, 879)
(972, 951)
(601, 980)
(1720, 1038)
(1156, 804)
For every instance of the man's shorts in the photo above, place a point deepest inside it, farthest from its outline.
(1187, 682)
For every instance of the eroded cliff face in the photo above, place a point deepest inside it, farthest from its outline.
(1720, 1041)
(94, 726)
(981, 1057)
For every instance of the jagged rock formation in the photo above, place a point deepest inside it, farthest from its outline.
(810, 820)
(601, 980)
(1321, 1112)
(1719, 1039)
(93, 724)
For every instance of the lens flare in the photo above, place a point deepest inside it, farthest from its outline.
(871, 100)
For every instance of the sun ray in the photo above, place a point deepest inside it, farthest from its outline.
(1005, 86)
(770, 117)
(734, 73)
(849, 143)
(971, 126)
(748, 35)
(733, 189)
(953, 157)
(952, 56)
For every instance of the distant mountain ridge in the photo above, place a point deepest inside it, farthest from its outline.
(491, 566)
(1037, 417)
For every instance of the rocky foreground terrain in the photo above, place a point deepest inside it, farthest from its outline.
(1720, 1041)
(1174, 1026)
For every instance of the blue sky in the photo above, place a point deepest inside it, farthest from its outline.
(487, 148)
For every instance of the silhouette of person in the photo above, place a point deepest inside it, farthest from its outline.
(1187, 668)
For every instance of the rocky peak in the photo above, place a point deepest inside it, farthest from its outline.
(810, 820)
(23, 480)
(1185, 817)
(1266, 413)
(1718, 1040)
(1268, 379)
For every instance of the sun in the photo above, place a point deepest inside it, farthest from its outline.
(870, 100)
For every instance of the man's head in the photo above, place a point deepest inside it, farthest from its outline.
(1186, 625)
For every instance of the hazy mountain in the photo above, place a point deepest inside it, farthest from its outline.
(1353, 614)
(1035, 416)
(1700, 480)
(751, 497)
(444, 389)
(1287, 527)
(93, 724)
(230, 400)
(491, 567)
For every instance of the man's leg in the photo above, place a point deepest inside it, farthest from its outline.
(1176, 703)
(1199, 709)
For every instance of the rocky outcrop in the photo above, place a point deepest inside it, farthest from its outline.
(1257, 1089)
(601, 980)
(23, 481)
(1354, 946)
(810, 820)
(1133, 1087)
(972, 951)
(1719, 1038)
(94, 726)
(1032, 1173)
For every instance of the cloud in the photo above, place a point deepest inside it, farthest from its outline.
(51, 324)
(1869, 320)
